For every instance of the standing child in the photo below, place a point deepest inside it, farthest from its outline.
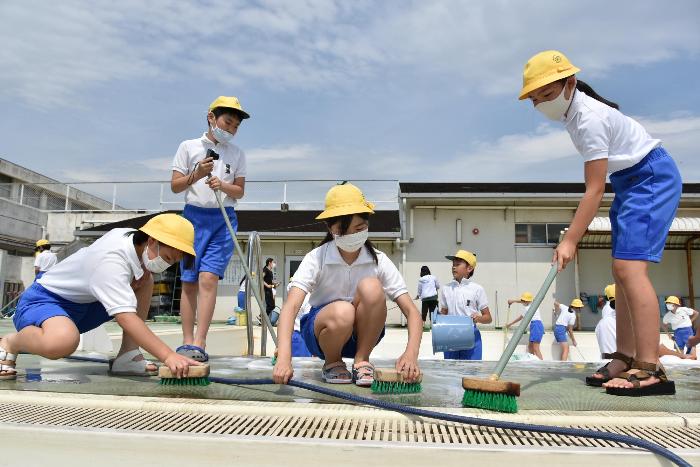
(200, 172)
(565, 324)
(464, 297)
(606, 329)
(680, 319)
(647, 188)
(428, 287)
(45, 258)
(348, 281)
(536, 326)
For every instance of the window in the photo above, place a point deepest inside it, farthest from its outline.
(539, 234)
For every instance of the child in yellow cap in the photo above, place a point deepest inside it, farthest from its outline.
(201, 166)
(679, 319)
(110, 279)
(647, 188)
(566, 319)
(348, 281)
(45, 258)
(536, 325)
(464, 297)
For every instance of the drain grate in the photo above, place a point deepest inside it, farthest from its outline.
(325, 426)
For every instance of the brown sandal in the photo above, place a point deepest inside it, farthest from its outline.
(598, 382)
(646, 370)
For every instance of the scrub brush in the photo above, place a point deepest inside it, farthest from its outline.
(390, 381)
(491, 393)
(197, 375)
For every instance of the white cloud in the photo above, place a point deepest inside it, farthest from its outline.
(54, 51)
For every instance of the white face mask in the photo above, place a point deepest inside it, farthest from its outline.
(156, 265)
(669, 307)
(352, 242)
(556, 108)
(222, 136)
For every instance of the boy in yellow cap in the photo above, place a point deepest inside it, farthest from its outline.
(110, 279)
(647, 188)
(566, 319)
(45, 258)
(536, 325)
(606, 329)
(200, 167)
(679, 319)
(348, 280)
(464, 297)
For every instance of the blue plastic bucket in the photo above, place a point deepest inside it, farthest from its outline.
(452, 333)
(274, 316)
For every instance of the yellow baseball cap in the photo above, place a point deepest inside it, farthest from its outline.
(576, 303)
(42, 242)
(172, 230)
(673, 299)
(526, 297)
(345, 199)
(544, 68)
(467, 256)
(610, 292)
(230, 102)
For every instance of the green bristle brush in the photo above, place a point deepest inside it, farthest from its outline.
(390, 381)
(197, 375)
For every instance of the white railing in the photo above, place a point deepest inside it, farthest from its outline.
(155, 196)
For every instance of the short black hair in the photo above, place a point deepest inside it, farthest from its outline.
(424, 271)
(219, 111)
(268, 261)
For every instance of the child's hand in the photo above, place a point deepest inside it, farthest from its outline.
(179, 364)
(214, 183)
(407, 365)
(205, 167)
(563, 254)
(283, 371)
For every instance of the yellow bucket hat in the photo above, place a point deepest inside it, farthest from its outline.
(576, 303)
(526, 297)
(172, 230)
(610, 292)
(673, 299)
(230, 102)
(345, 199)
(42, 242)
(544, 68)
(467, 256)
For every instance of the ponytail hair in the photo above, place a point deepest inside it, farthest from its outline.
(583, 86)
(344, 225)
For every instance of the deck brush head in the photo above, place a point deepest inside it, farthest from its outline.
(196, 376)
(500, 396)
(390, 381)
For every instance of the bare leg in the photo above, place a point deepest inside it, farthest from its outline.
(57, 337)
(208, 284)
(333, 327)
(536, 350)
(143, 303)
(564, 351)
(642, 304)
(370, 316)
(188, 308)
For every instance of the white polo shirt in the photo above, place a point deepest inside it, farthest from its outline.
(608, 311)
(101, 272)
(536, 317)
(598, 131)
(679, 319)
(45, 260)
(464, 298)
(566, 317)
(327, 277)
(231, 165)
(428, 286)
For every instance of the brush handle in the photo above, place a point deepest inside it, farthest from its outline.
(515, 338)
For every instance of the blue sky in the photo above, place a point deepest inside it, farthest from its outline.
(410, 90)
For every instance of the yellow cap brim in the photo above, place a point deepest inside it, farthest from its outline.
(346, 210)
(545, 80)
(169, 240)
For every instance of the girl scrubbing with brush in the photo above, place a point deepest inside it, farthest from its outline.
(348, 281)
(647, 188)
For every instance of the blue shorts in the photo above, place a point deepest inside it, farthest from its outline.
(39, 274)
(470, 354)
(212, 241)
(646, 198)
(560, 333)
(241, 300)
(299, 348)
(37, 304)
(536, 331)
(681, 336)
(307, 332)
